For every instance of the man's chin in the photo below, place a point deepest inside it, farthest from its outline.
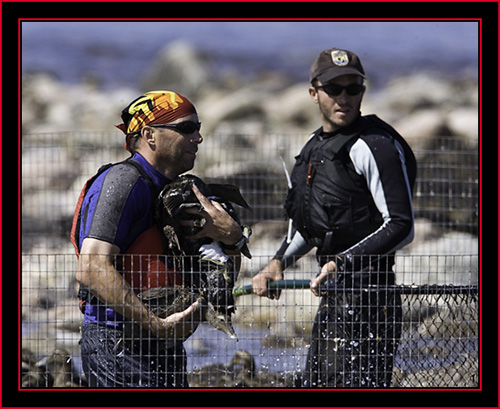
(341, 121)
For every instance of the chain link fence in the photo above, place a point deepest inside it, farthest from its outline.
(437, 276)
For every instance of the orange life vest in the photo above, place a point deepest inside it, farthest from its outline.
(143, 264)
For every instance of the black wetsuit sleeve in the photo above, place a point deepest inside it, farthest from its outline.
(382, 163)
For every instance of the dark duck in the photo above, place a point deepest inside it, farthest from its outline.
(55, 371)
(237, 373)
(241, 372)
(207, 273)
(165, 301)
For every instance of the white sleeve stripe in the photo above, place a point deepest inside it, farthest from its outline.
(365, 164)
(297, 248)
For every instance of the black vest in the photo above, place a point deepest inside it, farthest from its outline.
(330, 203)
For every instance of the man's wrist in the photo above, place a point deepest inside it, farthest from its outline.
(236, 246)
(245, 235)
(339, 263)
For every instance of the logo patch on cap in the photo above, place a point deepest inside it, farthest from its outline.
(340, 58)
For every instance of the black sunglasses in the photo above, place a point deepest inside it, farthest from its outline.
(334, 90)
(187, 127)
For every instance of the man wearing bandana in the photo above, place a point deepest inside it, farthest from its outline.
(119, 246)
(351, 199)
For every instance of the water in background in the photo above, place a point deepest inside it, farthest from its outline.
(119, 53)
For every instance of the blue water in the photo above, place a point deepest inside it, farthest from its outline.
(119, 53)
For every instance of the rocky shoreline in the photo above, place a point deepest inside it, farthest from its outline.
(420, 104)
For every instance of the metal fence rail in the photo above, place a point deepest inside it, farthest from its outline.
(438, 347)
(437, 275)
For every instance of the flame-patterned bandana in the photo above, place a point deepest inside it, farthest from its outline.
(154, 107)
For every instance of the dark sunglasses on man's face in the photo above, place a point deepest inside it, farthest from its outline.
(187, 127)
(334, 90)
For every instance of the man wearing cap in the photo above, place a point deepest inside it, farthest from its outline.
(120, 248)
(351, 199)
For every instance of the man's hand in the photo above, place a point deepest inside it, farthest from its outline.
(272, 272)
(179, 325)
(96, 272)
(329, 270)
(219, 225)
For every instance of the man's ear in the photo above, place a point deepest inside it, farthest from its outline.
(148, 135)
(313, 94)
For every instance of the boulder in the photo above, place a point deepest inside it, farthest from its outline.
(421, 127)
(464, 122)
(178, 67)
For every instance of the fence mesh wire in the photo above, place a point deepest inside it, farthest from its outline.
(437, 276)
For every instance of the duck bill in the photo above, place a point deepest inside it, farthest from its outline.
(227, 329)
(221, 322)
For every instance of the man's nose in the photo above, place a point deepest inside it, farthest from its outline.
(196, 138)
(343, 96)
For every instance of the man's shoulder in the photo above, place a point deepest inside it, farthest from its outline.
(125, 172)
(376, 130)
(373, 124)
(118, 180)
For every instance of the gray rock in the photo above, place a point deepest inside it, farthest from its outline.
(178, 67)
